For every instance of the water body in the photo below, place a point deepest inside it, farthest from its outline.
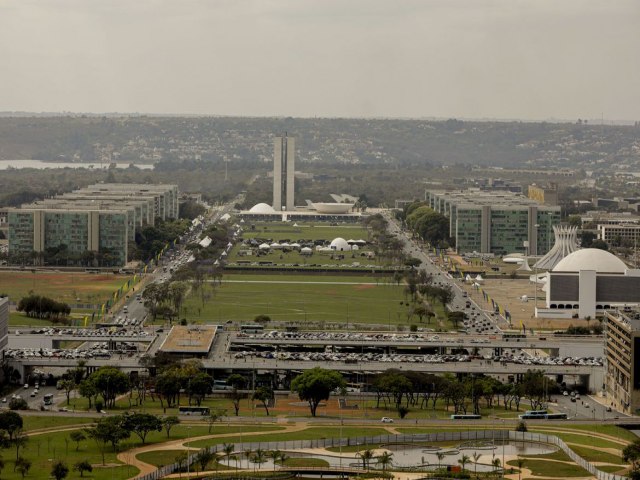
(40, 165)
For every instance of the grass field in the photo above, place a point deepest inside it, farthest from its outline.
(304, 231)
(66, 287)
(541, 468)
(305, 299)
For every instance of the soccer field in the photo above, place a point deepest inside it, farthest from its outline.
(302, 298)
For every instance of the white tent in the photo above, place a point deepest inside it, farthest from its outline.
(355, 247)
(264, 246)
(275, 245)
(295, 245)
(306, 251)
(284, 245)
(468, 278)
(225, 217)
(479, 278)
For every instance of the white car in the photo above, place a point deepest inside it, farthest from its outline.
(386, 420)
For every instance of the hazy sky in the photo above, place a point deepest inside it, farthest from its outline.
(529, 59)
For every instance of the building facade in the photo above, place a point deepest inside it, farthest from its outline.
(284, 162)
(97, 223)
(4, 324)
(622, 370)
(546, 195)
(495, 222)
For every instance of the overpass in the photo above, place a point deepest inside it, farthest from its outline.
(558, 346)
(592, 375)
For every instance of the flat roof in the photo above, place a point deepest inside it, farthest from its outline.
(491, 198)
(189, 339)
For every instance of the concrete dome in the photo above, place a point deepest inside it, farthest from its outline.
(262, 208)
(591, 259)
(333, 208)
(340, 244)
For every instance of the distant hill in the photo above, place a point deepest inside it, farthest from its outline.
(328, 141)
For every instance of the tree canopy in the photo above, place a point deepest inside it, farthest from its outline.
(316, 385)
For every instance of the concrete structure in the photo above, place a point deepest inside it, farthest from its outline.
(101, 218)
(620, 234)
(546, 195)
(566, 242)
(332, 208)
(284, 162)
(495, 222)
(589, 282)
(4, 324)
(622, 369)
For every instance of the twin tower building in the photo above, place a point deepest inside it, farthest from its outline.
(284, 162)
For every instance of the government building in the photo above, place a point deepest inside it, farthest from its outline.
(495, 222)
(96, 223)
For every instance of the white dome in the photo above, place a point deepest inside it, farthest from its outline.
(262, 208)
(591, 259)
(340, 244)
(333, 208)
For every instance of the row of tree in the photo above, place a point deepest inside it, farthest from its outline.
(37, 306)
(431, 226)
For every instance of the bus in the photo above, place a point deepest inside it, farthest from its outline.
(469, 416)
(188, 410)
(48, 399)
(251, 328)
(556, 416)
(221, 385)
(515, 336)
(532, 414)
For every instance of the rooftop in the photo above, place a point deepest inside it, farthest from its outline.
(189, 339)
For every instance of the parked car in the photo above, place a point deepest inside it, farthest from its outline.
(386, 420)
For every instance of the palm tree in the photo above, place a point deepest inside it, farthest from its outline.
(247, 453)
(440, 456)
(259, 456)
(228, 448)
(365, 456)
(520, 463)
(283, 458)
(463, 461)
(275, 456)
(476, 457)
(495, 464)
(235, 459)
(386, 459)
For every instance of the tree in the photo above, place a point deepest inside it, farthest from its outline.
(476, 456)
(495, 463)
(316, 385)
(59, 470)
(463, 461)
(77, 436)
(214, 417)
(68, 385)
(631, 454)
(198, 387)
(533, 387)
(600, 244)
(237, 383)
(440, 456)
(386, 460)
(109, 430)
(20, 440)
(264, 395)
(22, 466)
(520, 463)
(203, 458)
(10, 422)
(88, 390)
(275, 456)
(141, 424)
(83, 466)
(365, 456)
(169, 422)
(109, 382)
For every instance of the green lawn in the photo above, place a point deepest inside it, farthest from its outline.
(542, 468)
(19, 319)
(304, 298)
(593, 455)
(48, 421)
(63, 286)
(612, 430)
(159, 458)
(557, 455)
(311, 433)
(305, 462)
(304, 231)
(618, 469)
(587, 440)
